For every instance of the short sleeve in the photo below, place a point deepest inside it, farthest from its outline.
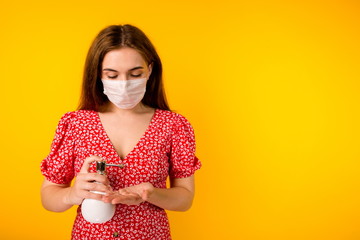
(183, 162)
(58, 167)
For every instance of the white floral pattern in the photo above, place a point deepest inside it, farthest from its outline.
(167, 148)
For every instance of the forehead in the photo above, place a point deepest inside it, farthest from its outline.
(123, 59)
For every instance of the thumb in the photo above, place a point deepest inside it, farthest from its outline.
(87, 162)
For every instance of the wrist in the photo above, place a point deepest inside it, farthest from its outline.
(67, 199)
(148, 191)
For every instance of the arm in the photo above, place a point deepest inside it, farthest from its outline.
(53, 196)
(178, 197)
(60, 197)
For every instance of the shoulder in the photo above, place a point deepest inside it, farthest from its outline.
(74, 117)
(173, 119)
(171, 116)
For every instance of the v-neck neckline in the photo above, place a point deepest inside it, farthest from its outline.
(108, 140)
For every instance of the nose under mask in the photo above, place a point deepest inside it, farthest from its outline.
(125, 94)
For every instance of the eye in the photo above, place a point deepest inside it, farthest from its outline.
(112, 77)
(138, 75)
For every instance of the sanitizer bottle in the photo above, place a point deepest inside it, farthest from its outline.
(96, 211)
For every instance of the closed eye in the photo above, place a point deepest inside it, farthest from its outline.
(138, 75)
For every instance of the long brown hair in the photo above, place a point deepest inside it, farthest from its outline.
(111, 38)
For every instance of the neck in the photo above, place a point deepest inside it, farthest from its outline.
(139, 108)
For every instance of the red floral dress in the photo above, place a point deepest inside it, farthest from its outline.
(167, 148)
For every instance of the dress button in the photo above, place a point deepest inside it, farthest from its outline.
(116, 234)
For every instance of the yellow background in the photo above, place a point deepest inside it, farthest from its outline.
(271, 88)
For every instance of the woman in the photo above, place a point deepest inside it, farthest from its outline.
(123, 119)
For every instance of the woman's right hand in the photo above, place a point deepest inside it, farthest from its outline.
(86, 182)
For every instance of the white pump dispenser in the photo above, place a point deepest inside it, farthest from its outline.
(96, 211)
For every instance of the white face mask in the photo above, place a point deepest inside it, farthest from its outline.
(125, 94)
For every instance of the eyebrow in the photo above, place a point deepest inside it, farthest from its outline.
(113, 70)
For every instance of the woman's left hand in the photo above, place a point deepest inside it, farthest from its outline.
(133, 195)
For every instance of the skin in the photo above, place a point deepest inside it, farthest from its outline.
(121, 64)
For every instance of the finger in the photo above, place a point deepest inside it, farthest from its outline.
(123, 191)
(91, 177)
(130, 199)
(96, 187)
(87, 162)
(91, 195)
(133, 201)
(107, 198)
(124, 198)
